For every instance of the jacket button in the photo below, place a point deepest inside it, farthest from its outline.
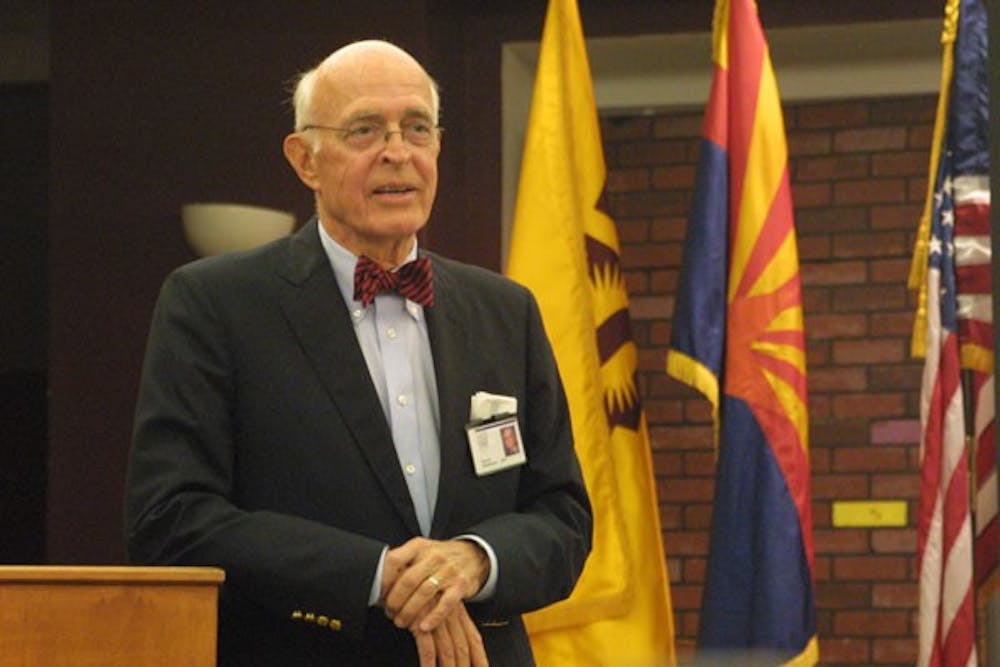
(322, 621)
(335, 624)
(297, 615)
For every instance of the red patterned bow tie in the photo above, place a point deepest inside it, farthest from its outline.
(413, 281)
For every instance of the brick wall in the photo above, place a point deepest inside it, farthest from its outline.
(858, 171)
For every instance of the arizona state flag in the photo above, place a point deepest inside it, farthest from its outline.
(564, 247)
(738, 337)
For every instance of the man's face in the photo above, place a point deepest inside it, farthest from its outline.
(379, 196)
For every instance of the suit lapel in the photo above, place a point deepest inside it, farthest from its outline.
(316, 312)
(453, 364)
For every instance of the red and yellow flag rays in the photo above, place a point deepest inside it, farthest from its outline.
(765, 354)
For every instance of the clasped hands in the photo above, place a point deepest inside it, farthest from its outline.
(424, 586)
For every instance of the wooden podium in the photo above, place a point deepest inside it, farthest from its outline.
(53, 616)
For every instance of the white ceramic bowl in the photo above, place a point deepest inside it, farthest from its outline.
(213, 228)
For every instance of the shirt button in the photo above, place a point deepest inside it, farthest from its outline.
(391, 333)
(410, 469)
(356, 314)
(403, 399)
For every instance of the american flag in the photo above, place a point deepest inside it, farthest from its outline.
(958, 335)
(944, 530)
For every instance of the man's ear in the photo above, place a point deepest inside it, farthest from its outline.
(299, 154)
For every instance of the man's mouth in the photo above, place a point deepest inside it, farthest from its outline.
(394, 189)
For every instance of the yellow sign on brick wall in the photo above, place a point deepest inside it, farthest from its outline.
(869, 513)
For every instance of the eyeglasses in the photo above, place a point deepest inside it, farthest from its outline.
(365, 134)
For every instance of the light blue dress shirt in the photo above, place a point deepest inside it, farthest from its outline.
(392, 333)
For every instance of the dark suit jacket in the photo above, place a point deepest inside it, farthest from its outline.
(260, 447)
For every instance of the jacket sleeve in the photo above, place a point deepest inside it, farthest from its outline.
(181, 485)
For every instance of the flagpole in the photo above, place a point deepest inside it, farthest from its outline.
(993, 29)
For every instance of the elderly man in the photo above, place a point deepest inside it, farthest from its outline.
(321, 417)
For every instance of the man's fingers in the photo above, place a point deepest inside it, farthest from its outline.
(477, 650)
(425, 649)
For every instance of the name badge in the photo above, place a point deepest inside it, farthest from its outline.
(495, 444)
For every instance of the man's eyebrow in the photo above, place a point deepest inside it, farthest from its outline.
(378, 117)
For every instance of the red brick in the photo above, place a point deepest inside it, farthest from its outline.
(681, 543)
(869, 405)
(844, 651)
(895, 432)
(664, 410)
(636, 283)
(842, 596)
(653, 153)
(872, 297)
(698, 411)
(920, 136)
(652, 307)
(869, 459)
(819, 406)
(816, 299)
(685, 597)
(831, 168)
(668, 463)
(699, 463)
(811, 194)
(896, 540)
(670, 517)
(895, 595)
(668, 229)
(674, 177)
(832, 114)
(808, 142)
(900, 651)
(870, 568)
(869, 139)
(870, 191)
(899, 323)
(817, 352)
(627, 180)
(659, 333)
(679, 125)
(869, 351)
(896, 485)
(894, 377)
(847, 325)
(829, 221)
(907, 163)
(879, 623)
(694, 570)
(839, 487)
(632, 230)
(839, 432)
(896, 271)
(813, 248)
(683, 490)
(673, 437)
(874, 244)
(838, 379)
(841, 541)
(916, 188)
(917, 109)
(698, 517)
(896, 216)
(834, 273)
(653, 202)
(650, 254)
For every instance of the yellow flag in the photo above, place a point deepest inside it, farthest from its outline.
(564, 248)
